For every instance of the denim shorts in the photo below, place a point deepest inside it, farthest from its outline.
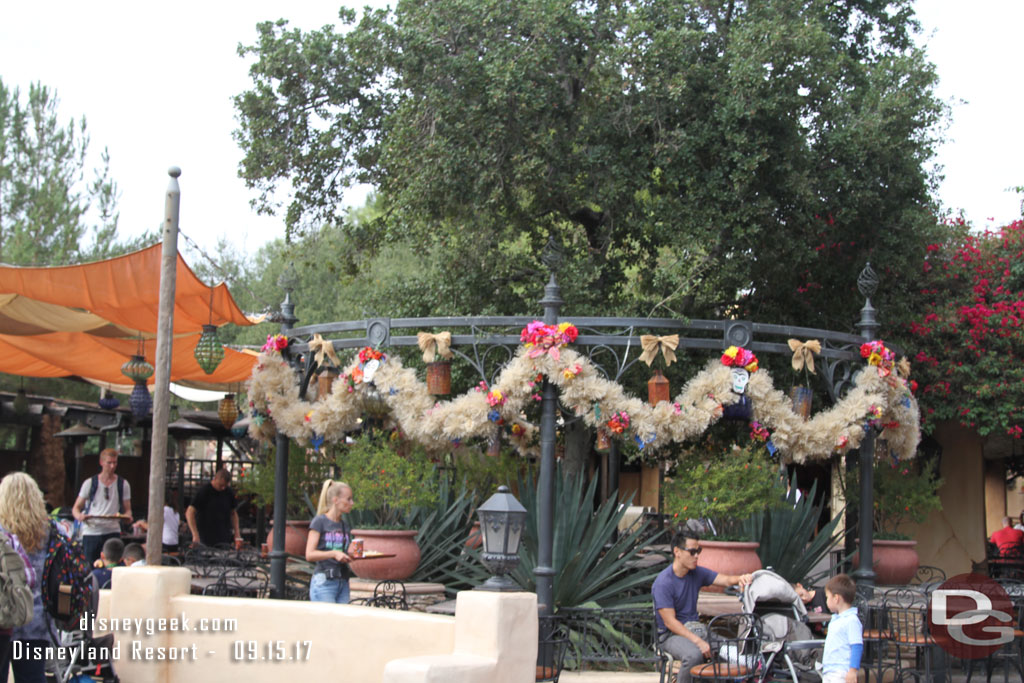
(322, 589)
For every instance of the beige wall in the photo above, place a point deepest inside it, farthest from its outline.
(953, 537)
(344, 642)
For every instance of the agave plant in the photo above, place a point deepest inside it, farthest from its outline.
(790, 542)
(591, 564)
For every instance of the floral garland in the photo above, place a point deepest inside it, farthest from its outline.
(875, 401)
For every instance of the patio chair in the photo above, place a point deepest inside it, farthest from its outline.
(552, 643)
(666, 664)
(928, 577)
(387, 594)
(906, 614)
(736, 650)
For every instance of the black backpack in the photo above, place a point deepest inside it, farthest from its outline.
(66, 586)
(94, 487)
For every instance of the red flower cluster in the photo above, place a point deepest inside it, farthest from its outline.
(368, 353)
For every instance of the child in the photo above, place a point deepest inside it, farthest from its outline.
(844, 642)
(134, 555)
(110, 557)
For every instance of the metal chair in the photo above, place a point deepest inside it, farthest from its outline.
(906, 614)
(876, 640)
(928, 577)
(387, 594)
(736, 650)
(666, 662)
(552, 643)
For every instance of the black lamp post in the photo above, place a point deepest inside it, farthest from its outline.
(502, 519)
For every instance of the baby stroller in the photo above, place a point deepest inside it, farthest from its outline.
(790, 649)
(83, 657)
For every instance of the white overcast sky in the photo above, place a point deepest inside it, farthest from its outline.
(155, 83)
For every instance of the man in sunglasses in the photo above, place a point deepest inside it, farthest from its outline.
(104, 500)
(675, 592)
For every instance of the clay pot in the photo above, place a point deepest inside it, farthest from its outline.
(729, 557)
(402, 544)
(295, 533)
(895, 562)
(476, 539)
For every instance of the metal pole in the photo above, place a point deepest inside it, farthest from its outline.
(545, 573)
(867, 283)
(162, 377)
(278, 556)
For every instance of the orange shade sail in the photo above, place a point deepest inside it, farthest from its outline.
(87, 320)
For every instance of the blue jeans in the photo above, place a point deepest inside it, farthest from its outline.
(30, 670)
(322, 589)
(92, 544)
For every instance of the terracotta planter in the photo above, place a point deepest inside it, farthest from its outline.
(729, 557)
(476, 539)
(801, 398)
(895, 562)
(400, 543)
(295, 533)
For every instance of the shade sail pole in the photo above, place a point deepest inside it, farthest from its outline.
(162, 376)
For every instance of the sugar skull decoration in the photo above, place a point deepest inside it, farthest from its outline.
(743, 363)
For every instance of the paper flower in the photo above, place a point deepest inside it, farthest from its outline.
(547, 339)
(739, 357)
(275, 342)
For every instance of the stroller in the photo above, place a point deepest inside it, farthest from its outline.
(82, 657)
(790, 649)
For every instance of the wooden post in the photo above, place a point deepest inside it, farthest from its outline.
(162, 376)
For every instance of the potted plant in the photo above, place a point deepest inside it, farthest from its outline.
(307, 469)
(725, 487)
(387, 486)
(904, 492)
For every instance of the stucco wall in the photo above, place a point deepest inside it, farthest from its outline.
(953, 537)
(344, 642)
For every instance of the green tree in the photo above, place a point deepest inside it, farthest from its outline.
(53, 209)
(691, 157)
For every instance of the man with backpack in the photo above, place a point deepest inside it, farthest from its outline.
(104, 500)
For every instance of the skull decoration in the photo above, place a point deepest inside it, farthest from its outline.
(740, 377)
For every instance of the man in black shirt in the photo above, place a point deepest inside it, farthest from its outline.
(212, 516)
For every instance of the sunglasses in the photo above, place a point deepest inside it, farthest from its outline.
(693, 551)
(106, 493)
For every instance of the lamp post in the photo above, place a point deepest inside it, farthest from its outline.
(867, 283)
(502, 519)
(278, 556)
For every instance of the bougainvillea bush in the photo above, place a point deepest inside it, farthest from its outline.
(966, 342)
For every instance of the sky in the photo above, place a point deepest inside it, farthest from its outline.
(155, 83)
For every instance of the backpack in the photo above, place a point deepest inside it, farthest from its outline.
(94, 487)
(15, 593)
(67, 589)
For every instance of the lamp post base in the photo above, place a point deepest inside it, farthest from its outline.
(500, 584)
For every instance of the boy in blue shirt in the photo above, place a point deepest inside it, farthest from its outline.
(844, 643)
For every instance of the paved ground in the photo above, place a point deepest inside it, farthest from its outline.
(652, 677)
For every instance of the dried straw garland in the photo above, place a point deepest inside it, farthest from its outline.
(874, 400)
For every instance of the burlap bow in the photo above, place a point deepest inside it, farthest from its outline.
(321, 347)
(651, 343)
(803, 353)
(431, 344)
(903, 367)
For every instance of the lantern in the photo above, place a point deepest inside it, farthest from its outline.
(241, 428)
(209, 352)
(604, 441)
(227, 411)
(502, 519)
(140, 401)
(325, 382)
(439, 378)
(657, 388)
(20, 404)
(137, 369)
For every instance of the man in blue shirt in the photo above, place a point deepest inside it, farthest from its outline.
(675, 592)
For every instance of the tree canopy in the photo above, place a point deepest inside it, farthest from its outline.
(694, 158)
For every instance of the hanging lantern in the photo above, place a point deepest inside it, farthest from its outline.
(439, 378)
(137, 369)
(604, 441)
(209, 352)
(108, 402)
(324, 382)
(20, 402)
(140, 401)
(494, 445)
(227, 411)
(657, 388)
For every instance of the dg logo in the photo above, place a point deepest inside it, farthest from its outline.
(971, 616)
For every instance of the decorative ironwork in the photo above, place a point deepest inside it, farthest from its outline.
(867, 281)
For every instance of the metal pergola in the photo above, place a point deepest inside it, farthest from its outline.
(607, 341)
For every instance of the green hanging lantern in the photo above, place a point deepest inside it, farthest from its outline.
(209, 352)
(20, 402)
(137, 369)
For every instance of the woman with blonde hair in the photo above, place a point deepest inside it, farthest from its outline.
(327, 544)
(23, 514)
